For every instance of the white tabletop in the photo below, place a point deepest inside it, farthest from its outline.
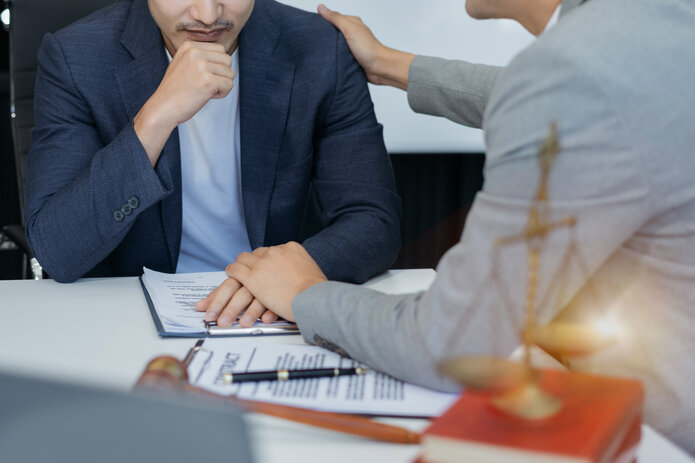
(100, 332)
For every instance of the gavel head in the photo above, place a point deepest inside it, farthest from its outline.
(163, 373)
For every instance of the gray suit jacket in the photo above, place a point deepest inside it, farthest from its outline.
(616, 75)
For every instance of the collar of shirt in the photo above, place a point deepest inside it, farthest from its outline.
(553, 19)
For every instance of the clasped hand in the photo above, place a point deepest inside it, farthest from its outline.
(263, 284)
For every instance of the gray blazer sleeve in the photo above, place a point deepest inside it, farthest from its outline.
(476, 304)
(366, 325)
(457, 90)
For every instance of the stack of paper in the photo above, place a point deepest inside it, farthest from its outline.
(371, 394)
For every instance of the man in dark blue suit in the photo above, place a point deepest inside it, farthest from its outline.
(175, 135)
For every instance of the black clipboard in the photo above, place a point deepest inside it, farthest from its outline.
(212, 330)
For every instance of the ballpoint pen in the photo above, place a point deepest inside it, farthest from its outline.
(284, 375)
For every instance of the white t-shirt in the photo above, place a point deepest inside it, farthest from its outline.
(214, 228)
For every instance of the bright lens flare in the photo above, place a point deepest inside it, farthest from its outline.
(608, 327)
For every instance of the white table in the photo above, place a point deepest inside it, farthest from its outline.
(100, 332)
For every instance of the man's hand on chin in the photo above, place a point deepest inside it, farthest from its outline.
(276, 275)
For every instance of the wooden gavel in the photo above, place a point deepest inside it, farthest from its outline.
(169, 374)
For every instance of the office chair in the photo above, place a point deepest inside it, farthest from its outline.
(30, 20)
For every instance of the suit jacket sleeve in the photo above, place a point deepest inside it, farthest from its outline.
(476, 304)
(75, 183)
(457, 90)
(354, 182)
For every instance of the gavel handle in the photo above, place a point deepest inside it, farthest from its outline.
(348, 424)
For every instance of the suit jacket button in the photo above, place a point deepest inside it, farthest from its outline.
(133, 202)
(118, 215)
(126, 209)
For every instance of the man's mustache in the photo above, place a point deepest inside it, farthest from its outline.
(227, 24)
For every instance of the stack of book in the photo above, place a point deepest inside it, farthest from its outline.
(600, 422)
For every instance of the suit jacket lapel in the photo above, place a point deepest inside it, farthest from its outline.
(137, 81)
(264, 95)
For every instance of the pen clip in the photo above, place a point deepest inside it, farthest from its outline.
(209, 325)
(191, 353)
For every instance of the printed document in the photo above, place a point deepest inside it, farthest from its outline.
(174, 297)
(372, 394)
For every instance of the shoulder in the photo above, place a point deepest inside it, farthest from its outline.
(301, 32)
(569, 69)
(596, 61)
(291, 20)
(609, 42)
(582, 75)
(94, 36)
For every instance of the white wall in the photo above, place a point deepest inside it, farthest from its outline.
(438, 28)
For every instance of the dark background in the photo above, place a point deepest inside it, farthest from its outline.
(10, 259)
(436, 189)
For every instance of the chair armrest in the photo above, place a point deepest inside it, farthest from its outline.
(15, 233)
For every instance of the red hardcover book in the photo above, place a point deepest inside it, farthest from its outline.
(627, 452)
(599, 423)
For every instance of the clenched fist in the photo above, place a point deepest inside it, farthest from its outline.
(198, 72)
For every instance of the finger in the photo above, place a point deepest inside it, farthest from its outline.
(218, 57)
(354, 19)
(207, 46)
(252, 314)
(194, 53)
(269, 317)
(237, 304)
(202, 305)
(247, 259)
(242, 272)
(235, 261)
(217, 69)
(221, 86)
(260, 252)
(333, 17)
(220, 297)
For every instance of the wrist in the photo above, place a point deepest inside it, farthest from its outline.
(393, 67)
(153, 119)
(153, 129)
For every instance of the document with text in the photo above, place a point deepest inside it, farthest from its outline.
(172, 299)
(372, 394)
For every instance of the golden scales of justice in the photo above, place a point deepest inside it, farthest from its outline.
(514, 387)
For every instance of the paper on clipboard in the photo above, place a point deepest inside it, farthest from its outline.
(172, 299)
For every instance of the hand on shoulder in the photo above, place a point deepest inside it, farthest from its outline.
(381, 64)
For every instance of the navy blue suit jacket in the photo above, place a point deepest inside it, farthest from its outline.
(307, 121)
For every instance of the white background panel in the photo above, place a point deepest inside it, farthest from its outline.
(435, 28)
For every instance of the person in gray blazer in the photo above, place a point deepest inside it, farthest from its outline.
(616, 77)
